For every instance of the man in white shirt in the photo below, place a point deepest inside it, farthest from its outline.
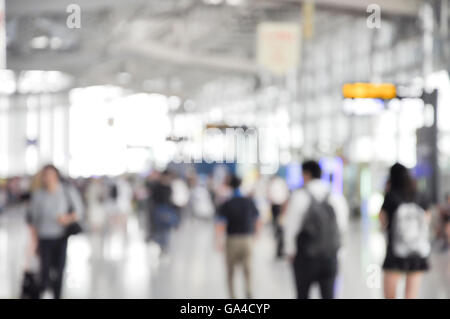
(320, 268)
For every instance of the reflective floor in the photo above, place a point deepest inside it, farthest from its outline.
(118, 266)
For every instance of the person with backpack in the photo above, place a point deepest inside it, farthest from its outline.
(314, 221)
(405, 217)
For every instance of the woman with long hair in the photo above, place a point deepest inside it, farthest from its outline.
(52, 209)
(405, 217)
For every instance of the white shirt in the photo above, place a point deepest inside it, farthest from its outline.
(298, 206)
(278, 191)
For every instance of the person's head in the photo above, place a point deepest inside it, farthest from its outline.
(166, 177)
(401, 181)
(234, 182)
(192, 181)
(51, 177)
(311, 170)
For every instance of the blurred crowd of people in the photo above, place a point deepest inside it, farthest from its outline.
(307, 223)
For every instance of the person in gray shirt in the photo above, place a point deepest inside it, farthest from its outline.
(53, 207)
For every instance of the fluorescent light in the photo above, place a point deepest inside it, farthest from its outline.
(234, 2)
(124, 78)
(56, 43)
(40, 43)
(363, 106)
(8, 81)
(174, 102)
(213, 2)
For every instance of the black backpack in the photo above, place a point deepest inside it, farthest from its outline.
(319, 237)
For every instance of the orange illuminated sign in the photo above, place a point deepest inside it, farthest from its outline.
(383, 91)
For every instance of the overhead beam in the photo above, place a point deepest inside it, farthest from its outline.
(39, 7)
(52, 61)
(33, 7)
(389, 7)
(164, 53)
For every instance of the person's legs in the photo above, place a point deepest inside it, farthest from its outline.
(124, 228)
(162, 239)
(231, 259)
(413, 280)
(447, 232)
(279, 239)
(166, 239)
(390, 282)
(327, 277)
(278, 231)
(247, 260)
(326, 285)
(150, 222)
(274, 218)
(44, 256)
(303, 278)
(59, 262)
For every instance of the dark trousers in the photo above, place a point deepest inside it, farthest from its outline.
(308, 271)
(52, 253)
(278, 229)
(162, 238)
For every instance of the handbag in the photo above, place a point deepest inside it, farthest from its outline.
(165, 216)
(73, 228)
(31, 288)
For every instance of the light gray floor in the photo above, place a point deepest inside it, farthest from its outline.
(194, 269)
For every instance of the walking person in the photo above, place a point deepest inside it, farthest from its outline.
(124, 208)
(443, 232)
(238, 217)
(53, 207)
(3, 196)
(315, 219)
(150, 184)
(405, 217)
(164, 216)
(96, 216)
(278, 193)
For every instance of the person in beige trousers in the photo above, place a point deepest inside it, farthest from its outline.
(238, 217)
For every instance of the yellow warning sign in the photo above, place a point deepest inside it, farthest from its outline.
(383, 91)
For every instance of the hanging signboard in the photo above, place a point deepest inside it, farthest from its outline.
(278, 47)
(383, 91)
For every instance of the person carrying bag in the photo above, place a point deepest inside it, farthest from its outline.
(53, 219)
